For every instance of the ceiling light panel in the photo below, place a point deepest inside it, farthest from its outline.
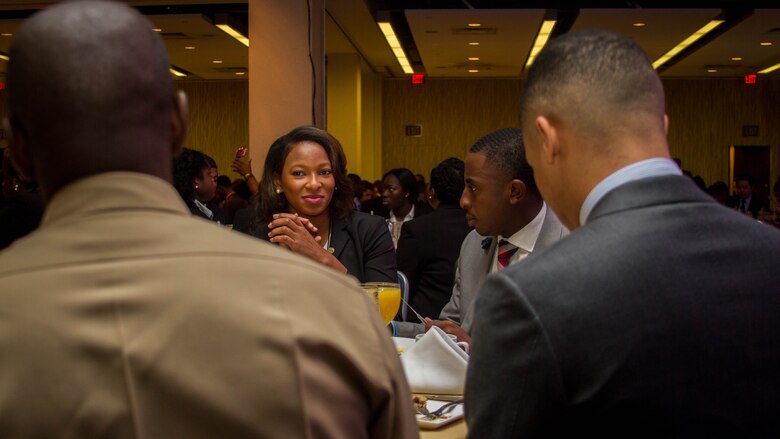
(395, 46)
(540, 41)
(664, 28)
(445, 52)
(195, 30)
(740, 40)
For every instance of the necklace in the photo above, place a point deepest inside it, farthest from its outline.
(327, 245)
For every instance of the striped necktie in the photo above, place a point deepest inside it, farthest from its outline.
(505, 252)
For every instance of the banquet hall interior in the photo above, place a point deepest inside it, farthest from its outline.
(328, 63)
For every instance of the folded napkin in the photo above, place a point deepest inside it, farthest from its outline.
(435, 364)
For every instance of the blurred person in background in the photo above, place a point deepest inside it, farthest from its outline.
(429, 245)
(22, 206)
(400, 191)
(196, 181)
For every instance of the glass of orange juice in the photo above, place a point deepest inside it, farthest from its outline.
(387, 298)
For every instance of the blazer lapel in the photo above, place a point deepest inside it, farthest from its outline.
(339, 236)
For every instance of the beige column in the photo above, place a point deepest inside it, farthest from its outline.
(286, 71)
(344, 115)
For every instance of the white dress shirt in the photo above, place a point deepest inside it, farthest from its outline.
(524, 239)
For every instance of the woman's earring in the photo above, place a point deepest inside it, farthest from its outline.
(196, 186)
(278, 191)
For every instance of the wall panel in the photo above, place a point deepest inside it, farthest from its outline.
(453, 114)
(218, 121)
(706, 116)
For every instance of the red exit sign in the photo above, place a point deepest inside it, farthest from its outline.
(750, 79)
(418, 78)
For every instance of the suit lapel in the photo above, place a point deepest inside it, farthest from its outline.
(339, 236)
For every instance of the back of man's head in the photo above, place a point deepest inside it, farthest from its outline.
(504, 149)
(596, 82)
(90, 91)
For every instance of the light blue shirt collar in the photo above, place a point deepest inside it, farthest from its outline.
(636, 171)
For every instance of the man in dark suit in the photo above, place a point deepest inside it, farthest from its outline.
(429, 245)
(652, 318)
(744, 199)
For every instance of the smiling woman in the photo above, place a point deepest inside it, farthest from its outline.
(305, 205)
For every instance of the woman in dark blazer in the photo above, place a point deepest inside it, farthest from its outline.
(305, 205)
(399, 195)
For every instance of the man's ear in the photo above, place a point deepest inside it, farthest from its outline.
(666, 124)
(19, 147)
(517, 191)
(179, 117)
(550, 139)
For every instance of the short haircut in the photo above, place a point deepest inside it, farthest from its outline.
(268, 202)
(745, 177)
(447, 180)
(595, 80)
(408, 182)
(224, 180)
(504, 149)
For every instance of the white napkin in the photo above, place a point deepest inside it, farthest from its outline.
(435, 364)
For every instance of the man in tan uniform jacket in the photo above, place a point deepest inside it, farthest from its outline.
(123, 316)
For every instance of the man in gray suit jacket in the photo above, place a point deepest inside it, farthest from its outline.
(653, 318)
(501, 202)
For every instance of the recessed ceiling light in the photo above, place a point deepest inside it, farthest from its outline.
(157, 29)
(473, 43)
(736, 58)
(240, 73)
(474, 58)
(766, 43)
(6, 34)
(639, 24)
(217, 61)
(475, 24)
(189, 47)
(712, 70)
(473, 71)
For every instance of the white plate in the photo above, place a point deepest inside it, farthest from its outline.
(432, 424)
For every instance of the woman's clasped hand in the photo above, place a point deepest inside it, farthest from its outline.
(296, 233)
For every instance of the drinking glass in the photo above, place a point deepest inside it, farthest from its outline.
(386, 295)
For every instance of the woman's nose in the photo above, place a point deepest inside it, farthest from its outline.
(314, 182)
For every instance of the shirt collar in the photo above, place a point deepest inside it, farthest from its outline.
(525, 238)
(113, 191)
(654, 167)
(409, 216)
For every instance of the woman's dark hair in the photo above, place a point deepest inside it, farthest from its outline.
(186, 167)
(447, 180)
(407, 180)
(268, 202)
